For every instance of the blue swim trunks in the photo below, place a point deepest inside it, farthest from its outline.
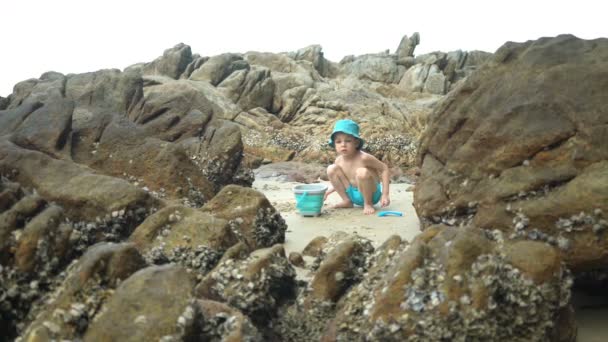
(357, 198)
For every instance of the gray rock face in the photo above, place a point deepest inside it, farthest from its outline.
(313, 54)
(521, 148)
(217, 68)
(249, 88)
(172, 63)
(377, 68)
(407, 46)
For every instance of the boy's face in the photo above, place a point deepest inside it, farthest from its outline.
(345, 144)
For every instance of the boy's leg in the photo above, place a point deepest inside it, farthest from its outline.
(340, 183)
(367, 183)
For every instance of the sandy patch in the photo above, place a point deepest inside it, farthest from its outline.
(301, 230)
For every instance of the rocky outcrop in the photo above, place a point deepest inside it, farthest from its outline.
(257, 286)
(172, 63)
(152, 304)
(90, 282)
(520, 147)
(447, 284)
(451, 283)
(251, 217)
(406, 47)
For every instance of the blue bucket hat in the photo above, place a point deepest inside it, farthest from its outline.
(348, 127)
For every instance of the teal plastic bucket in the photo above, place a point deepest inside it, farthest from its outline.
(309, 198)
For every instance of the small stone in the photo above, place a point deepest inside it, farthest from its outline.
(141, 319)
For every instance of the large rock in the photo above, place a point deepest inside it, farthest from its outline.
(377, 68)
(38, 126)
(450, 283)
(82, 193)
(170, 98)
(217, 68)
(108, 90)
(313, 54)
(249, 88)
(184, 235)
(89, 283)
(151, 304)
(257, 286)
(172, 63)
(50, 84)
(407, 46)
(255, 221)
(520, 146)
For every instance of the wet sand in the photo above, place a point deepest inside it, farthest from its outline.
(301, 230)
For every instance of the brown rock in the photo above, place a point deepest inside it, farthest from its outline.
(497, 151)
(315, 246)
(255, 220)
(146, 306)
(296, 259)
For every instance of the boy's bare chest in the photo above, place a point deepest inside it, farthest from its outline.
(350, 168)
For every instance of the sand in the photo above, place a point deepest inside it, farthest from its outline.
(301, 230)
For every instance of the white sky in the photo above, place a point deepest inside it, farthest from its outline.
(88, 35)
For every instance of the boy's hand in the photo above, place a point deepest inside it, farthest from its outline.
(385, 200)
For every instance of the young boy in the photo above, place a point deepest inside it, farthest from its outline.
(356, 175)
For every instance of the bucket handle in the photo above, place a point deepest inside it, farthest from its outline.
(299, 199)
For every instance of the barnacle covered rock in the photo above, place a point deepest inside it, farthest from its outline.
(521, 148)
(251, 217)
(456, 284)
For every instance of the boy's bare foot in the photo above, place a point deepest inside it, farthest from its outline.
(368, 209)
(343, 204)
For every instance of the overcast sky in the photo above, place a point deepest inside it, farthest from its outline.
(82, 36)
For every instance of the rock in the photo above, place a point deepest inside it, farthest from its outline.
(292, 172)
(50, 85)
(103, 91)
(339, 270)
(377, 68)
(222, 322)
(519, 163)
(315, 246)
(172, 63)
(407, 46)
(42, 239)
(296, 259)
(252, 218)
(124, 150)
(415, 77)
(257, 286)
(446, 277)
(89, 283)
(217, 68)
(218, 154)
(183, 235)
(196, 63)
(313, 54)
(435, 82)
(15, 217)
(82, 193)
(147, 306)
(168, 99)
(41, 127)
(249, 88)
